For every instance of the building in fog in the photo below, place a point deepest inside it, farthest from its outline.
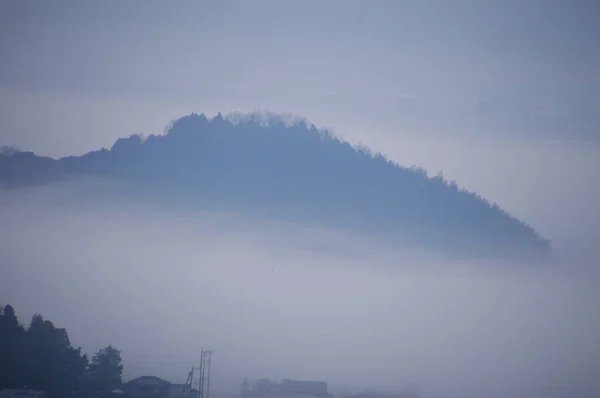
(287, 388)
(304, 388)
(150, 387)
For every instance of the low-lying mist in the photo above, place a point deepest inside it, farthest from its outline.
(280, 300)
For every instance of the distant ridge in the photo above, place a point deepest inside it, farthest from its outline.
(284, 167)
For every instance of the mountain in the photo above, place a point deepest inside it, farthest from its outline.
(290, 169)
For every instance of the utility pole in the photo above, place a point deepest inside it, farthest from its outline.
(208, 375)
(204, 373)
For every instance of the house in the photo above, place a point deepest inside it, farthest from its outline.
(287, 388)
(304, 388)
(182, 391)
(150, 387)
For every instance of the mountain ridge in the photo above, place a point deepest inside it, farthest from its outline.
(286, 167)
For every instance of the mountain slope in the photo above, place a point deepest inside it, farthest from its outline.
(295, 170)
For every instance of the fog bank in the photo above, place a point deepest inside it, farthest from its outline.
(300, 301)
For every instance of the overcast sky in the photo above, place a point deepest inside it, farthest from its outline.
(503, 96)
(529, 69)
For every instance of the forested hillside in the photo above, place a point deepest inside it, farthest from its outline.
(292, 169)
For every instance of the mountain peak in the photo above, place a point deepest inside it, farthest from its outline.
(283, 166)
(127, 144)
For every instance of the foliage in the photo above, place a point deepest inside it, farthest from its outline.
(41, 357)
(105, 370)
(6, 150)
(287, 168)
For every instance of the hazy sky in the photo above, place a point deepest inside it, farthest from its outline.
(527, 69)
(503, 96)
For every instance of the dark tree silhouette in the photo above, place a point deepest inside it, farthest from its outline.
(42, 357)
(14, 352)
(105, 370)
(57, 367)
